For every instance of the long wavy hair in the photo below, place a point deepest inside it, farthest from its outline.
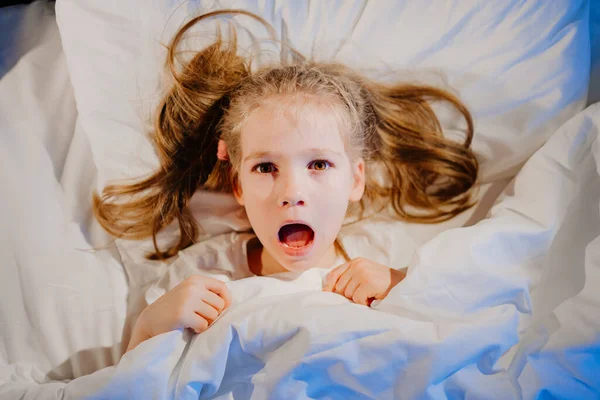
(410, 166)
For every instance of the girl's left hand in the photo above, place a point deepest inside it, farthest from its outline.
(363, 281)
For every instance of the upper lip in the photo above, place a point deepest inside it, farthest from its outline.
(290, 222)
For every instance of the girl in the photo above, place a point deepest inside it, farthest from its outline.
(301, 147)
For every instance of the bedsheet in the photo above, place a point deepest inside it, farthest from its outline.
(506, 308)
(62, 303)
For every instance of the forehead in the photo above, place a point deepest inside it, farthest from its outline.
(289, 123)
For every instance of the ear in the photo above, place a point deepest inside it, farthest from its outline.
(358, 187)
(237, 191)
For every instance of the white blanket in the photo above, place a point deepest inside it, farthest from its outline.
(506, 308)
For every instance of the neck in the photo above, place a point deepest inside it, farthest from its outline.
(262, 263)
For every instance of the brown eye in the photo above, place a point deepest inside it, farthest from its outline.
(265, 168)
(319, 165)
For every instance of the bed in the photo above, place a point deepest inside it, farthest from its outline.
(500, 302)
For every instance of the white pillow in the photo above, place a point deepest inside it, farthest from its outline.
(522, 68)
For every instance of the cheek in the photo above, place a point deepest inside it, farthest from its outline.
(333, 195)
(255, 189)
(338, 184)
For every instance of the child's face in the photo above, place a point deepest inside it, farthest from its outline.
(296, 182)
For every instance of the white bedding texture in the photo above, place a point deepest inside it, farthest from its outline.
(501, 302)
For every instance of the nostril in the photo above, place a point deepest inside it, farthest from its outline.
(289, 202)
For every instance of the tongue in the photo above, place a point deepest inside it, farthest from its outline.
(296, 235)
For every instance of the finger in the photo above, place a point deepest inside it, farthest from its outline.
(226, 296)
(360, 295)
(351, 288)
(220, 288)
(214, 300)
(196, 323)
(342, 282)
(206, 311)
(333, 276)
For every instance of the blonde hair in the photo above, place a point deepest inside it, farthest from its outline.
(424, 177)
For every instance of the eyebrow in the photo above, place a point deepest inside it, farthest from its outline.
(316, 151)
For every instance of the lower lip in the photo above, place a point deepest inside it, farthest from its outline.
(297, 251)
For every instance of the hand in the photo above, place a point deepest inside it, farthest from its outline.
(194, 304)
(363, 281)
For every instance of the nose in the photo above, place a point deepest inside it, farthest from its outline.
(294, 199)
(292, 192)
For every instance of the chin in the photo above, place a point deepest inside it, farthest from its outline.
(292, 265)
(301, 264)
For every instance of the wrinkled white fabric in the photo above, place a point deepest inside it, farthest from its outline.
(457, 327)
(62, 304)
(495, 309)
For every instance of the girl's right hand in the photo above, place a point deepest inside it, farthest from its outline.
(195, 303)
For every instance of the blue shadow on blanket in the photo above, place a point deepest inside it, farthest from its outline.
(237, 379)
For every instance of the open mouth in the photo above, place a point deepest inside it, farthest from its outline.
(296, 236)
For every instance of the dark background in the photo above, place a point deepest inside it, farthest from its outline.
(4, 3)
